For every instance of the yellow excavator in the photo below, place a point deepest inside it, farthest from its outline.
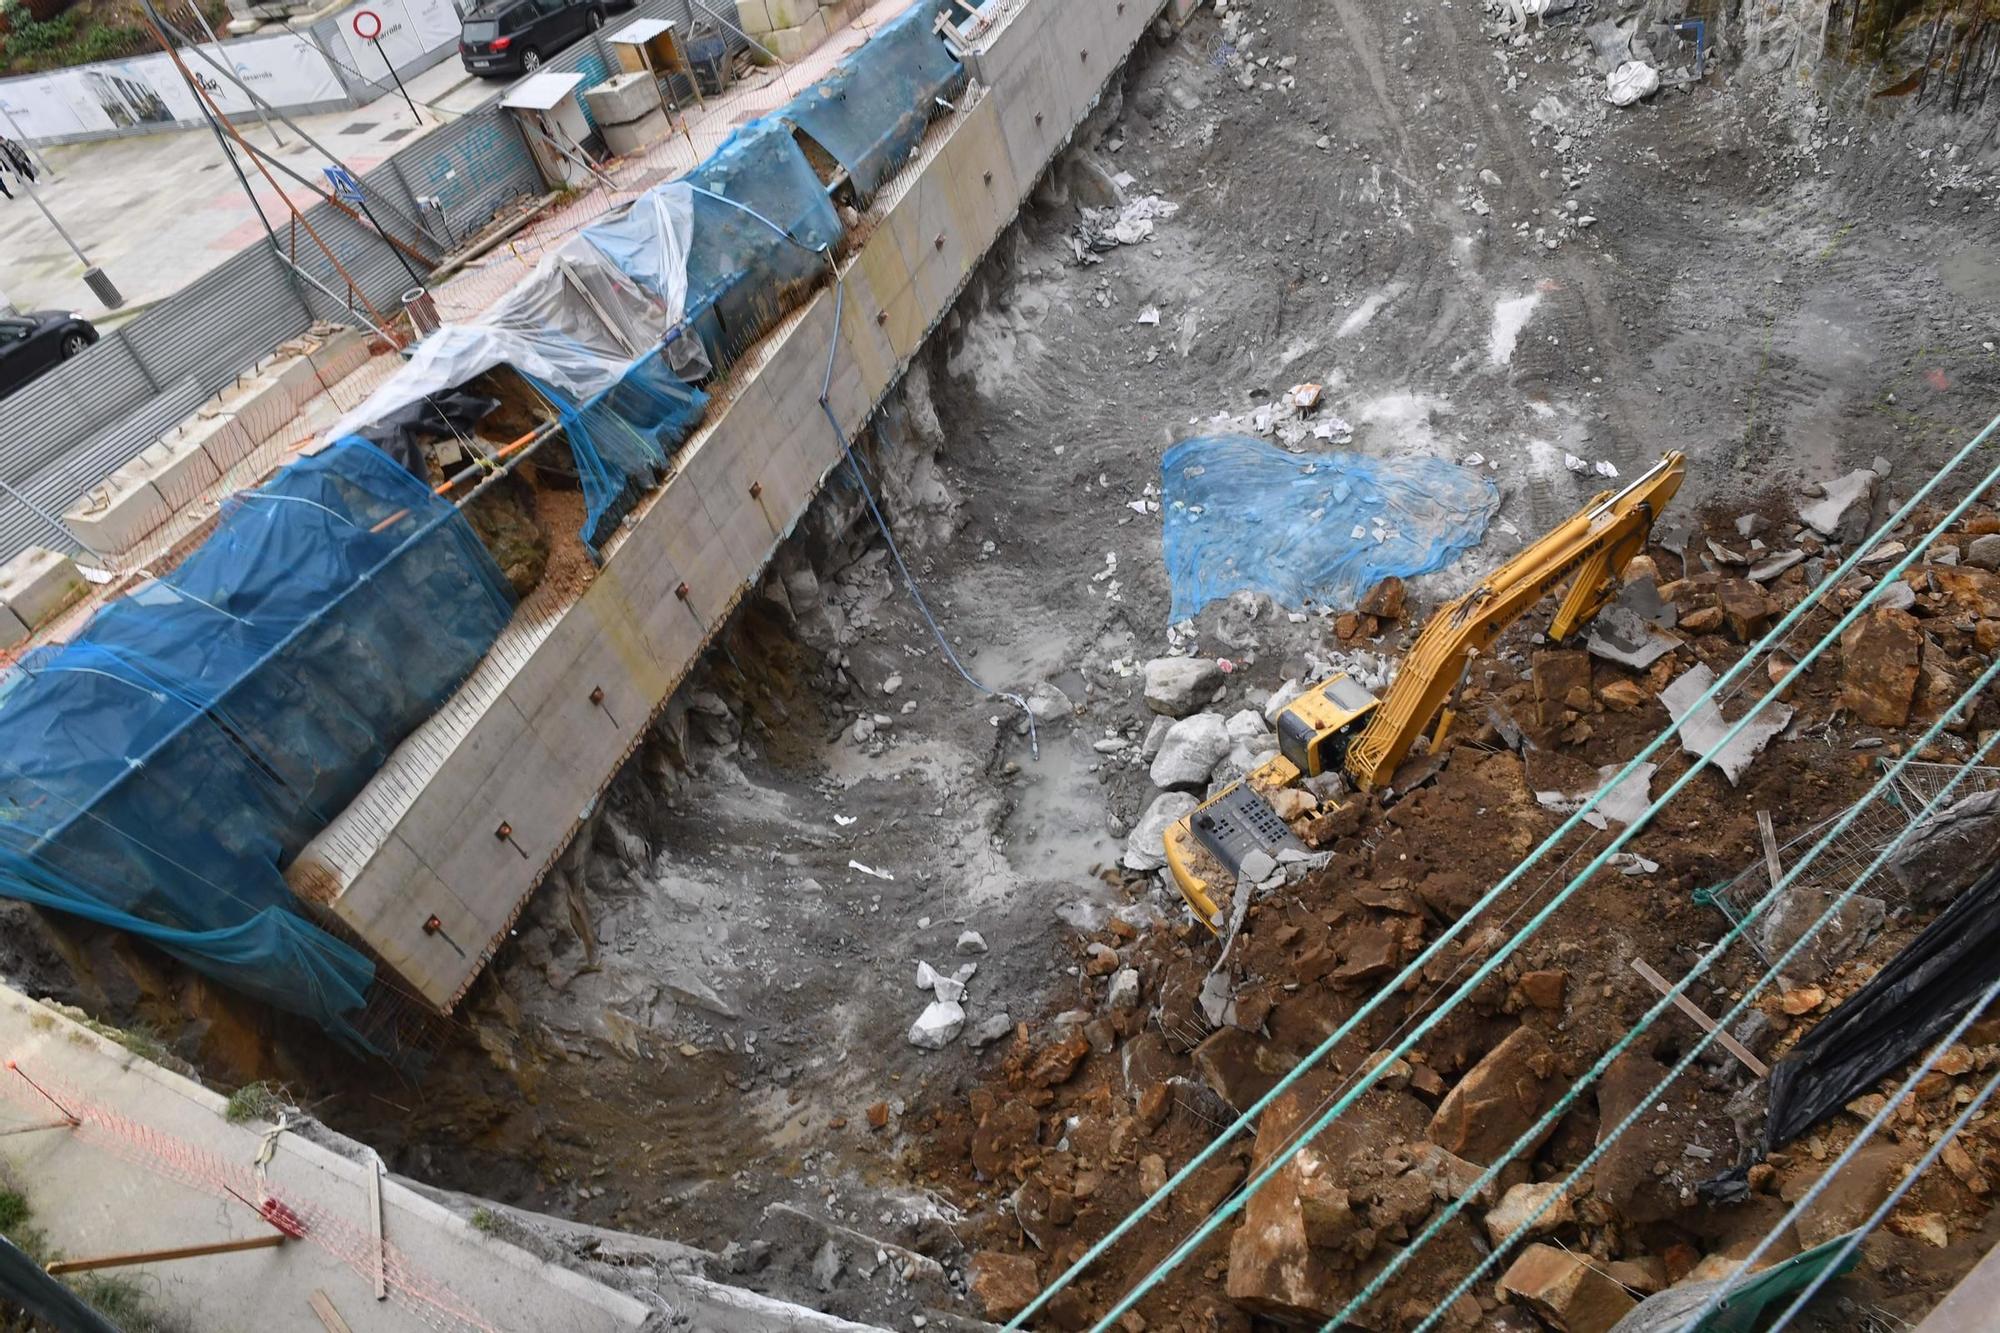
(1337, 725)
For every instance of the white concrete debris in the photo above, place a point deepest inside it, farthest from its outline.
(1155, 735)
(1631, 863)
(1124, 992)
(870, 870)
(1281, 698)
(846, 821)
(927, 976)
(992, 1028)
(1150, 315)
(1624, 801)
(935, 1027)
(893, 683)
(1246, 727)
(1177, 686)
(1633, 81)
(971, 942)
(1844, 511)
(1190, 751)
(1622, 635)
(1145, 847)
(950, 989)
(1703, 726)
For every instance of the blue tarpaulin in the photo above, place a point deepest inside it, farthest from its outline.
(1240, 514)
(871, 111)
(158, 771)
(623, 438)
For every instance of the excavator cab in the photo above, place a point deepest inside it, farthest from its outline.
(1237, 833)
(1316, 728)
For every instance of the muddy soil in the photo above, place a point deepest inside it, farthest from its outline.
(707, 1014)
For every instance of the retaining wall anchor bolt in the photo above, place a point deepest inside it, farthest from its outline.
(938, 244)
(756, 490)
(682, 592)
(597, 698)
(1083, 55)
(989, 178)
(506, 834)
(433, 926)
(881, 317)
(1038, 118)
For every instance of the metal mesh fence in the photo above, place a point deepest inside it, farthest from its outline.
(1846, 860)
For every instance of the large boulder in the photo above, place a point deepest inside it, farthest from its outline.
(1190, 751)
(1880, 656)
(1002, 1284)
(1499, 1099)
(1298, 1230)
(1177, 686)
(1565, 1290)
(1947, 852)
(1146, 846)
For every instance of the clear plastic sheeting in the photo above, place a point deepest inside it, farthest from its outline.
(624, 438)
(871, 111)
(1240, 514)
(576, 323)
(159, 771)
(648, 242)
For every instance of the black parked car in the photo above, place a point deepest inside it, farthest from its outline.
(31, 344)
(515, 36)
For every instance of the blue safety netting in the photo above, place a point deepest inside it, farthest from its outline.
(159, 771)
(624, 438)
(758, 247)
(1240, 514)
(871, 111)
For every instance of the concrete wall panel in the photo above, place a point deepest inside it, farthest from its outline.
(536, 751)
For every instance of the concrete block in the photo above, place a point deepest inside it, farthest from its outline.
(622, 99)
(635, 136)
(791, 13)
(12, 631)
(221, 436)
(298, 379)
(340, 354)
(839, 13)
(1178, 12)
(754, 16)
(177, 469)
(794, 43)
(261, 405)
(114, 516)
(38, 585)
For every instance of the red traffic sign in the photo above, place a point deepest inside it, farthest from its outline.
(367, 24)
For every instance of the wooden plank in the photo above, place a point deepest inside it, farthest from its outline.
(322, 1305)
(1772, 865)
(61, 1266)
(1688, 1007)
(378, 1255)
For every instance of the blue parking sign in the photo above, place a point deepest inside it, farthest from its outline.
(345, 187)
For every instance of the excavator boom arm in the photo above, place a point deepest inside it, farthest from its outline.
(1594, 545)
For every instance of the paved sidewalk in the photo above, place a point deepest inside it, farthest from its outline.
(158, 211)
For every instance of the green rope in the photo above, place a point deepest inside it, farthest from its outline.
(1528, 1140)
(1235, 1204)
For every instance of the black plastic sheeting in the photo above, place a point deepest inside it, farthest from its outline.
(1901, 1012)
(403, 433)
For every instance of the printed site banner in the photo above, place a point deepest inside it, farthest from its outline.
(286, 71)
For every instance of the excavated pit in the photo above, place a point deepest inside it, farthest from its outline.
(704, 1014)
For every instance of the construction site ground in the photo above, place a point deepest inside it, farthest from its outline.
(1473, 254)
